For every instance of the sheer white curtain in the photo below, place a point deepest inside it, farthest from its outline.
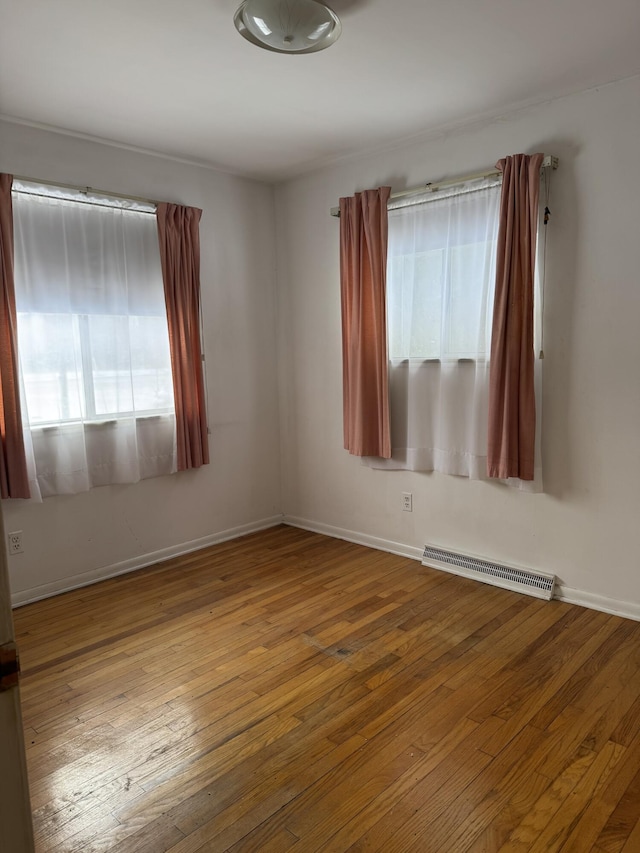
(93, 343)
(440, 286)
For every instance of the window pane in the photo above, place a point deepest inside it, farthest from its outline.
(110, 364)
(151, 364)
(131, 365)
(441, 275)
(427, 304)
(416, 305)
(52, 369)
(469, 278)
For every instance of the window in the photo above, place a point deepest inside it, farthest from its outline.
(97, 390)
(441, 269)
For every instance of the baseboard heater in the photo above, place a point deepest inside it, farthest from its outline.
(508, 577)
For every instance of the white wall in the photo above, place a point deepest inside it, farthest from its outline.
(69, 540)
(586, 527)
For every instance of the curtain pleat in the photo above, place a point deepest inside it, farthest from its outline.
(178, 234)
(512, 407)
(363, 259)
(14, 481)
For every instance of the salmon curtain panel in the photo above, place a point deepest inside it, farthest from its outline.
(363, 268)
(512, 407)
(179, 238)
(14, 480)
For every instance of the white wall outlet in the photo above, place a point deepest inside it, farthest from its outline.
(15, 542)
(407, 502)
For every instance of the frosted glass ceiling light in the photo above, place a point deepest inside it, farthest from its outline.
(288, 26)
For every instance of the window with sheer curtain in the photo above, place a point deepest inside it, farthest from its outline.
(441, 269)
(96, 383)
(441, 274)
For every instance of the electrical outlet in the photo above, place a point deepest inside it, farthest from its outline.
(15, 542)
(407, 502)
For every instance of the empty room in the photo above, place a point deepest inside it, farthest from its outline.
(320, 426)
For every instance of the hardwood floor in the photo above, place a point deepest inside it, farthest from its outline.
(288, 691)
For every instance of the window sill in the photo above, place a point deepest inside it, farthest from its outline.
(100, 424)
(428, 362)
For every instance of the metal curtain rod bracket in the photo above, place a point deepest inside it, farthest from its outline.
(433, 186)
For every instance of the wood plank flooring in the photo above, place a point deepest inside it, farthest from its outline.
(288, 691)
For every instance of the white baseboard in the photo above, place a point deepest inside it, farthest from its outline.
(75, 581)
(626, 609)
(389, 545)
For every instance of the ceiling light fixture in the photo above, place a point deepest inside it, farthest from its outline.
(288, 26)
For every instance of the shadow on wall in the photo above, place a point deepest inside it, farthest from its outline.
(558, 465)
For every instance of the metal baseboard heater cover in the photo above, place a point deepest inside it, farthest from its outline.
(508, 577)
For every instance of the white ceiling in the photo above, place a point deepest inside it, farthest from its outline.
(173, 76)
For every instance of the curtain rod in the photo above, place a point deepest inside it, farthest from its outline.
(87, 190)
(434, 186)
